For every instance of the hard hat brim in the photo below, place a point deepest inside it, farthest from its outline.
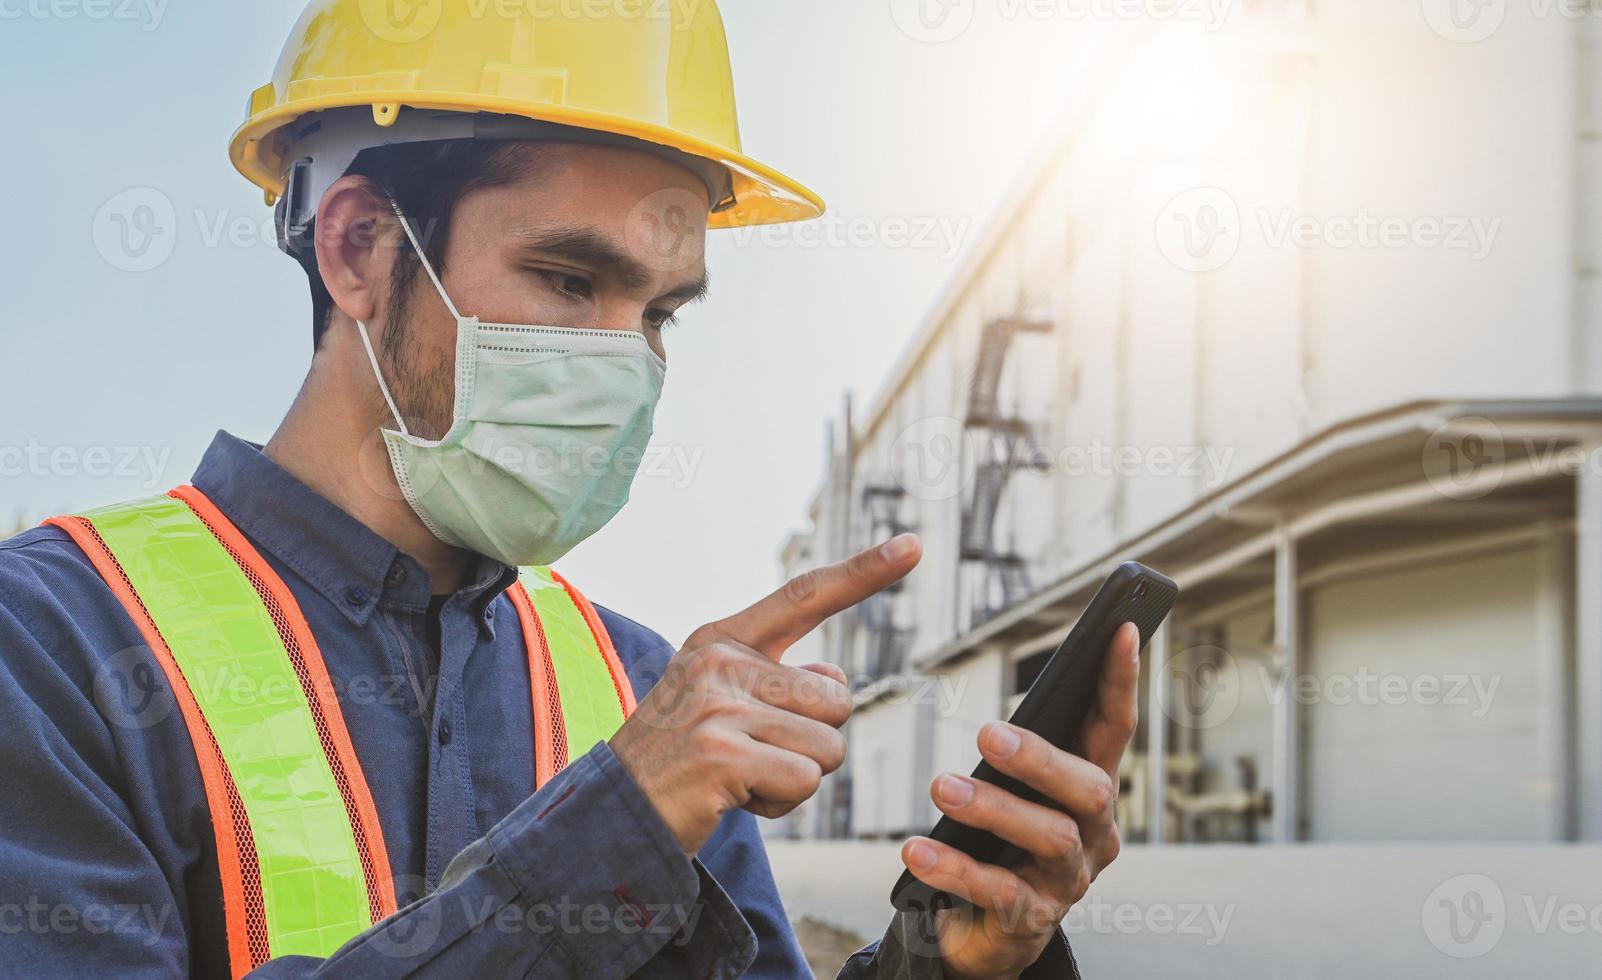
(763, 195)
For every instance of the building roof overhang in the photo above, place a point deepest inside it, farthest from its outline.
(1373, 481)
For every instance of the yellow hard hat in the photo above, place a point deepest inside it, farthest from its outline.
(362, 73)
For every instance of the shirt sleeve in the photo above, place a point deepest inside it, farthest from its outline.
(80, 892)
(734, 856)
(581, 880)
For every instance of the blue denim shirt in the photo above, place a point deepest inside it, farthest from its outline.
(107, 857)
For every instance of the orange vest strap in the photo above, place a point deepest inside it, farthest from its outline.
(620, 679)
(307, 660)
(550, 729)
(237, 861)
(570, 682)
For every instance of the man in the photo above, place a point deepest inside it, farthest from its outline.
(306, 718)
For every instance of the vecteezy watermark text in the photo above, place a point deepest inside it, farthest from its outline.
(1203, 229)
(1467, 915)
(935, 458)
(147, 464)
(939, 21)
(1204, 686)
(1195, 920)
(1472, 21)
(36, 916)
(148, 14)
(408, 21)
(942, 234)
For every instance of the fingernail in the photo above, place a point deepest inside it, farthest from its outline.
(899, 547)
(954, 790)
(920, 856)
(1004, 740)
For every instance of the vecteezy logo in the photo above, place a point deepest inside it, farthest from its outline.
(130, 690)
(664, 230)
(136, 230)
(1464, 21)
(1464, 458)
(1202, 689)
(933, 21)
(415, 933)
(1465, 916)
(1199, 230)
(927, 459)
(402, 21)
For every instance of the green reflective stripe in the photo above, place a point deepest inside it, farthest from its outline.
(591, 710)
(225, 642)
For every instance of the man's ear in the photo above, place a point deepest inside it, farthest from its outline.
(355, 246)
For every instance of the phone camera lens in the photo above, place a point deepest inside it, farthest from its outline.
(1142, 589)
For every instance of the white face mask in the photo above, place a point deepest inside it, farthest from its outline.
(549, 428)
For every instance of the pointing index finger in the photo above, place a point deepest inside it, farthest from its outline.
(772, 625)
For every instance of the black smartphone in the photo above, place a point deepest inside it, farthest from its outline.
(1057, 706)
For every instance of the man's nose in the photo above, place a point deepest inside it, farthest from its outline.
(621, 316)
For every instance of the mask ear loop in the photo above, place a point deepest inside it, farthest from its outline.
(428, 266)
(361, 327)
(372, 359)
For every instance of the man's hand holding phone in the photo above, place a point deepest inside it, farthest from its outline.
(730, 726)
(1015, 911)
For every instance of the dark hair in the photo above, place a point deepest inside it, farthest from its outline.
(426, 180)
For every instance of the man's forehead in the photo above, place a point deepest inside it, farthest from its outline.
(638, 217)
(614, 174)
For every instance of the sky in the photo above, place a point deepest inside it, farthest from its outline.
(120, 369)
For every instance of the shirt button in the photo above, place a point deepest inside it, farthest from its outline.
(355, 597)
(445, 731)
(397, 575)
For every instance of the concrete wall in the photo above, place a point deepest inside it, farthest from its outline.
(1454, 761)
(886, 787)
(1222, 912)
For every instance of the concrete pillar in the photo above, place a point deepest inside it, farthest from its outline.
(1588, 651)
(1157, 737)
(1554, 682)
(1286, 750)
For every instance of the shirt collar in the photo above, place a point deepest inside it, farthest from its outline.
(339, 556)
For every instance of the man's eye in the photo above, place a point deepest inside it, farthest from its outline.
(661, 319)
(569, 284)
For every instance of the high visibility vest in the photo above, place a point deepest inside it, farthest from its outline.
(302, 856)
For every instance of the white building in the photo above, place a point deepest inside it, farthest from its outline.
(1305, 312)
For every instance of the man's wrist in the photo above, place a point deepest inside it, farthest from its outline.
(953, 973)
(1054, 960)
(625, 752)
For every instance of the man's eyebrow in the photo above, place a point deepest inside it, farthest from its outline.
(691, 292)
(596, 251)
